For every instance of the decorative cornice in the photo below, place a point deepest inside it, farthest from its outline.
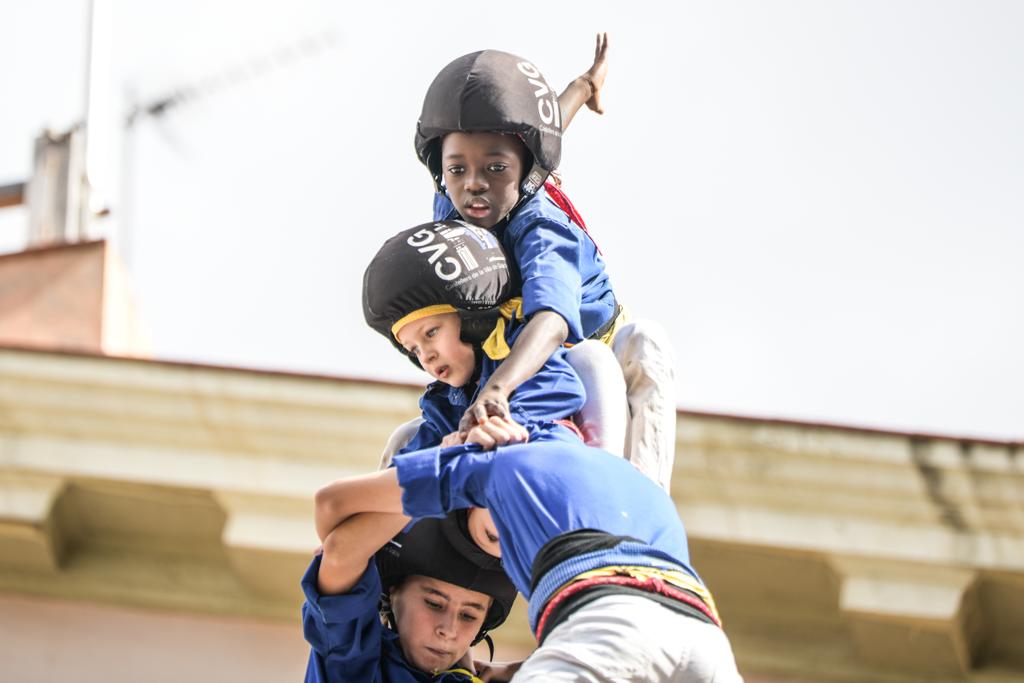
(835, 554)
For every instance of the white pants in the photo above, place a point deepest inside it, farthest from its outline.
(603, 418)
(631, 639)
(402, 435)
(643, 427)
(648, 365)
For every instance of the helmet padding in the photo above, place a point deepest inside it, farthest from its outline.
(435, 267)
(442, 549)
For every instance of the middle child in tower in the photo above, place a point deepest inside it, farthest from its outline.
(441, 294)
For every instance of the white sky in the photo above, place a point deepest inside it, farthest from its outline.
(822, 201)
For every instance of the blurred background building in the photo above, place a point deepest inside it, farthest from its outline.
(155, 517)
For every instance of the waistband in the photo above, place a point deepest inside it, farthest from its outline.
(606, 333)
(571, 426)
(677, 585)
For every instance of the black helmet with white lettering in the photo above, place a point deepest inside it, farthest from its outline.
(442, 267)
(442, 549)
(496, 92)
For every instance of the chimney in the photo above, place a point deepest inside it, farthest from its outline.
(70, 297)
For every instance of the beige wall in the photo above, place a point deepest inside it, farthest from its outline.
(57, 640)
(836, 555)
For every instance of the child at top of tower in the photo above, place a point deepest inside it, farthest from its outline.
(490, 135)
(585, 89)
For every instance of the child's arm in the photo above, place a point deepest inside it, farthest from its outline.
(586, 89)
(350, 546)
(355, 517)
(545, 332)
(344, 498)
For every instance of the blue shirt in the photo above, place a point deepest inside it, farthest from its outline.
(543, 489)
(349, 644)
(554, 392)
(559, 264)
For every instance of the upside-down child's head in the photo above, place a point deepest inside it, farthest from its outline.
(434, 292)
(496, 110)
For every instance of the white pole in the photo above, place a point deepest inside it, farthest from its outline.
(97, 121)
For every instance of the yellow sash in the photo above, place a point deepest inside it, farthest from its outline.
(472, 678)
(495, 345)
(497, 348)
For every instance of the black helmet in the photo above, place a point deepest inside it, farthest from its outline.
(492, 91)
(448, 266)
(443, 550)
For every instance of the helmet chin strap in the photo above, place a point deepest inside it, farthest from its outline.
(486, 637)
(533, 181)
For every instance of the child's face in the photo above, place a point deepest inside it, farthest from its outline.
(437, 620)
(483, 172)
(484, 532)
(434, 340)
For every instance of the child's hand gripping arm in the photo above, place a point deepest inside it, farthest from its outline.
(497, 431)
(586, 88)
(355, 517)
(497, 671)
(545, 332)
